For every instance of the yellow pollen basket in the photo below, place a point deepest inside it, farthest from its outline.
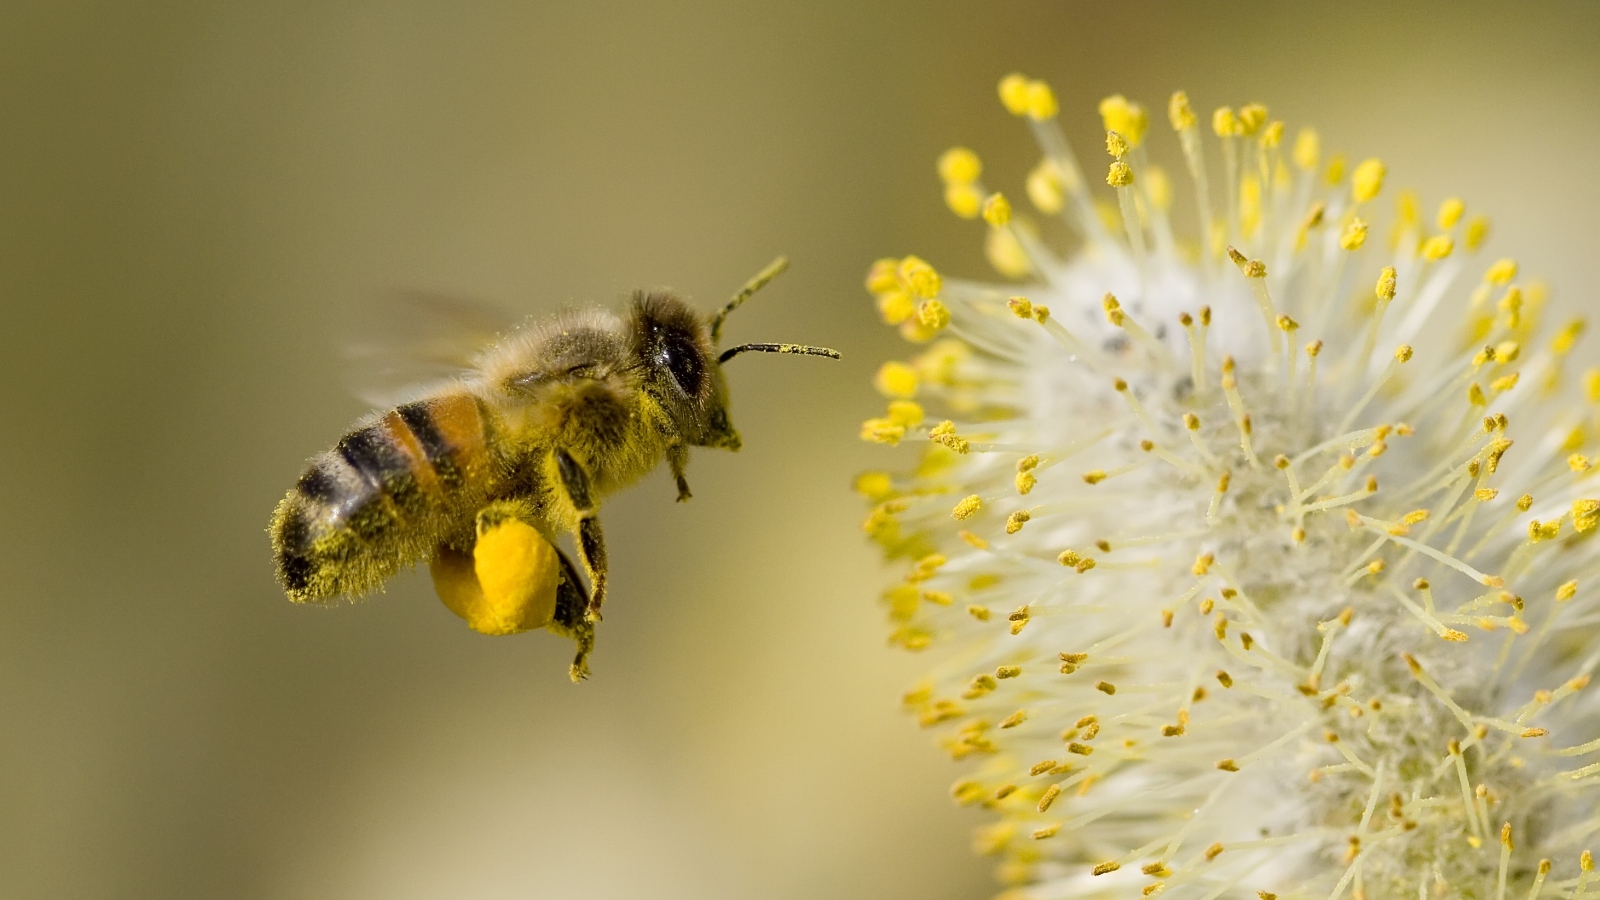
(509, 583)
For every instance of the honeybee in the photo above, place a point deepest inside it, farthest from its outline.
(482, 476)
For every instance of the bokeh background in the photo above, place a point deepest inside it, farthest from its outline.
(194, 195)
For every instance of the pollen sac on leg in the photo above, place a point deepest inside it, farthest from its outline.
(507, 585)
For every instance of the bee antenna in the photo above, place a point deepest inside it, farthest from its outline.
(731, 352)
(772, 271)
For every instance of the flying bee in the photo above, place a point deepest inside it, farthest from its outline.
(482, 476)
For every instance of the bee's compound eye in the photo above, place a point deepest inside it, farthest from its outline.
(683, 359)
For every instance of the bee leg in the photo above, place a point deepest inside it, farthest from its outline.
(678, 458)
(591, 542)
(569, 621)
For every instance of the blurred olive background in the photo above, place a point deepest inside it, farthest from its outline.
(194, 195)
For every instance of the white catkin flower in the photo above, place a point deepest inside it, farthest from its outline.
(1261, 568)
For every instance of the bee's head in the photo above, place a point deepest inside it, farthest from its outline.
(676, 350)
(673, 348)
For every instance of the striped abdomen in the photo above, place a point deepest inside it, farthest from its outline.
(382, 498)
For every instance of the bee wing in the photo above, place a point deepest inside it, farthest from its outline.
(413, 341)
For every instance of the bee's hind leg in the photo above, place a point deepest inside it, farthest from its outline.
(678, 458)
(569, 621)
(591, 542)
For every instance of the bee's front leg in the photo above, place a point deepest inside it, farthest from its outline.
(591, 542)
(678, 458)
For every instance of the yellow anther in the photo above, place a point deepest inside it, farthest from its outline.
(896, 306)
(1106, 868)
(1477, 232)
(981, 613)
(963, 199)
(1016, 520)
(1313, 349)
(1505, 836)
(1129, 119)
(1335, 172)
(905, 413)
(919, 278)
(1566, 591)
(882, 431)
(1014, 93)
(1407, 209)
(1105, 687)
(1025, 482)
(874, 486)
(959, 165)
(1213, 851)
(1049, 796)
(1367, 180)
(882, 277)
(1403, 353)
(1287, 325)
(1041, 101)
(1045, 188)
(1191, 421)
(1506, 351)
(1202, 563)
(933, 315)
(1354, 235)
(1504, 383)
(1386, 283)
(1272, 135)
(1116, 145)
(1475, 395)
(1502, 272)
(1251, 268)
(1543, 531)
(1028, 463)
(1021, 307)
(1006, 253)
(1307, 149)
(945, 433)
(1438, 247)
(1585, 516)
(1179, 112)
(997, 210)
(1007, 671)
(1119, 175)
(1069, 558)
(1094, 476)
(965, 509)
(1450, 212)
(1591, 385)
(896, 379)
(1564, 340)
(1225, 123)
(1252, 117)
